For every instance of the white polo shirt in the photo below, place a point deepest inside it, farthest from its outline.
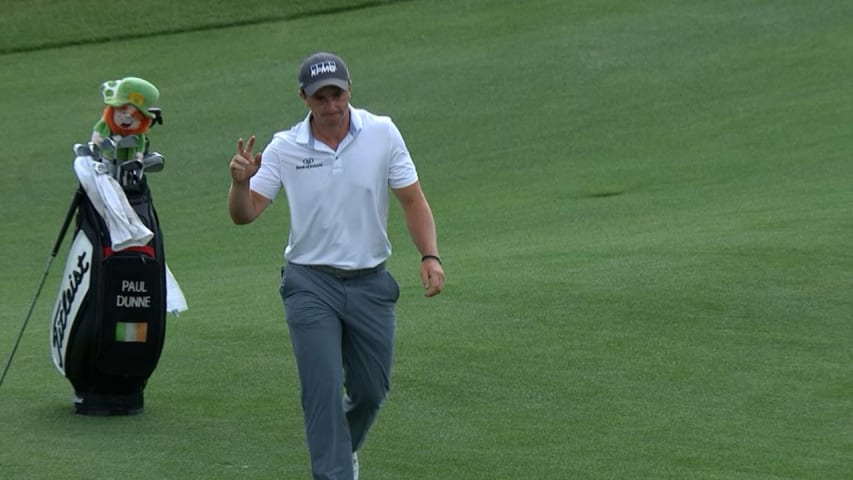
(338, 198)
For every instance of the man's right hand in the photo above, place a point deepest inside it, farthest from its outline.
(243, 165)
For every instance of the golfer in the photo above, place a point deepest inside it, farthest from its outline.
(336, 167)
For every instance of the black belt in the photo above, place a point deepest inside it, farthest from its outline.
(341, 273)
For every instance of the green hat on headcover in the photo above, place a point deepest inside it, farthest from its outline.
(131, 90)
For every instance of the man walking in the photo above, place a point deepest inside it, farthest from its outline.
(336, 168)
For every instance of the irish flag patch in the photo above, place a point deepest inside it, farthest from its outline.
(131, 332)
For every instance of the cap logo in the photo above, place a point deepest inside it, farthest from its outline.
(323, 67)
(135, 98)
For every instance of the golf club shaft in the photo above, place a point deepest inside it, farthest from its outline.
(74, 202)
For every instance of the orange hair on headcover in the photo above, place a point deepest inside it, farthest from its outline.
(144, 122)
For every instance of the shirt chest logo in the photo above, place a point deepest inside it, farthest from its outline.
(309, 162)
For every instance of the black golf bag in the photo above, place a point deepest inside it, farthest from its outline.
(109, 322)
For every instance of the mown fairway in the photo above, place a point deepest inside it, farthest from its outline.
(644, 211)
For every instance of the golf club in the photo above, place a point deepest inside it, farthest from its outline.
(84, 150)
(108, 148)
(130, 172)
(153, 162)
(74, 203)
(131, 165)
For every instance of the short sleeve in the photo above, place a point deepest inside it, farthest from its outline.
(267, 182)
(401, 170)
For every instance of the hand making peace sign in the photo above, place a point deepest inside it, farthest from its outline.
(243, 165)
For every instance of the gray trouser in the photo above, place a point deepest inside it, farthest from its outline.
(342, 333)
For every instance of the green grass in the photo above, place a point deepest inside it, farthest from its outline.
(29, 25)
(643, 211)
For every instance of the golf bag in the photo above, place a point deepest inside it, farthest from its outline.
(109, 321)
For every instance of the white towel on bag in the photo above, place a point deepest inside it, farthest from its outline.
(175, 301)
(108, 198)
